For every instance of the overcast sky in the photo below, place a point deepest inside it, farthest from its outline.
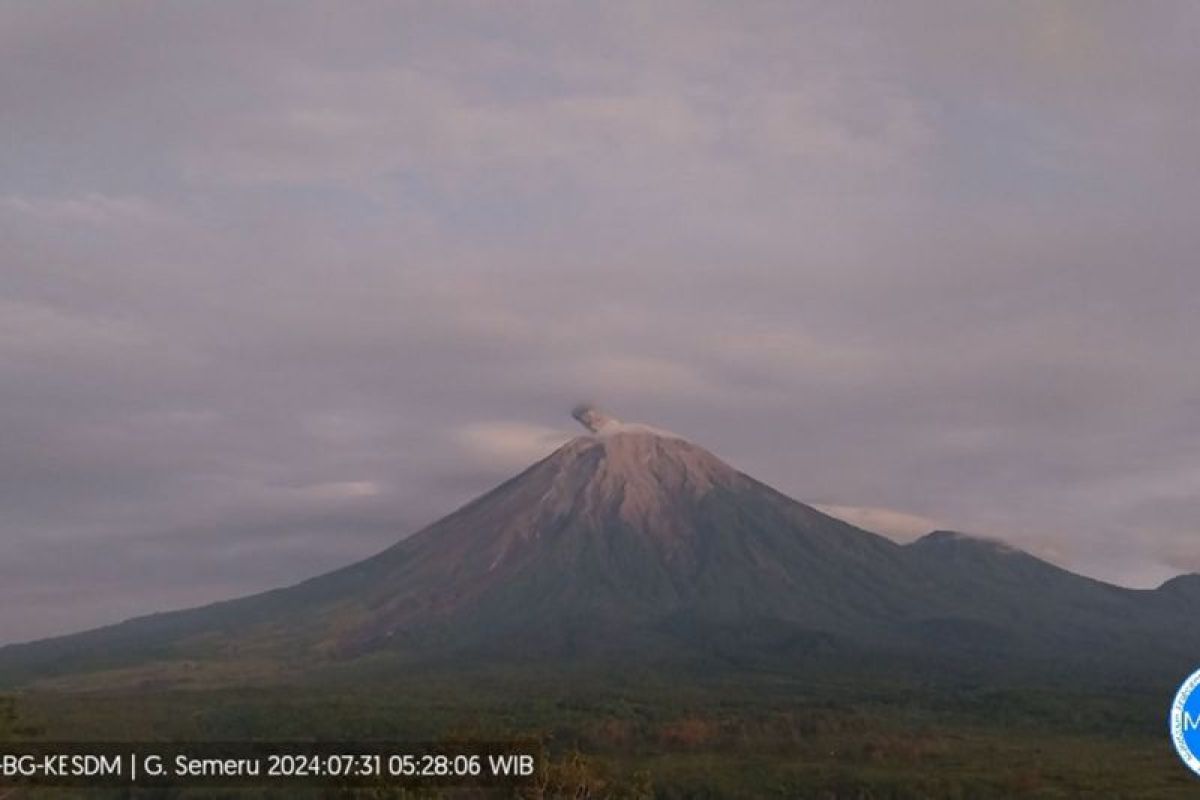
(281, 282)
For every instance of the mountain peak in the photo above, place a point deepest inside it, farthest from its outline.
(636, 471)
(635, 459)
(1189, 583)
(958, 539)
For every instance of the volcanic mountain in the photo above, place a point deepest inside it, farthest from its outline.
(634, 543)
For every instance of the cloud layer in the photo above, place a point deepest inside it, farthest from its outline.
(279, 285)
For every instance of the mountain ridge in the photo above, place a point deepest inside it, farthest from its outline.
(636, 542)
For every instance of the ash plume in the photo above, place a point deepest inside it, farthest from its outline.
(592, 418)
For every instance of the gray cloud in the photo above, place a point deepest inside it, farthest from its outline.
(278, 287)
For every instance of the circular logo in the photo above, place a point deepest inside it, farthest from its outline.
(1185, 722)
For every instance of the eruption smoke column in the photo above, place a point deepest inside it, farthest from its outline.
(593, 418)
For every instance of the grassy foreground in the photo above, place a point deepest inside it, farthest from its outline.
(648, 736)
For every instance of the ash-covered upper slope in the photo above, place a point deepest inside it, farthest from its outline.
(628, 472)
(633, 539)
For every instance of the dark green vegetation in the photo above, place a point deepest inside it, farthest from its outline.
(669, 627)
(8, 715)
(655, 735)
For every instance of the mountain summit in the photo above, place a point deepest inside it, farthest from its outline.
(633, 542)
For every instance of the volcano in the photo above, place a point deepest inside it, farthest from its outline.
(634, 543)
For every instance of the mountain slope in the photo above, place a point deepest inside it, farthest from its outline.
(634, 542)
